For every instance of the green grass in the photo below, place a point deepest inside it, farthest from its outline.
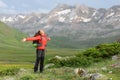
(24, 59)
(28, 55)
(10, 38)
(63, 73)
(11, 46)
(13, 50)
(97, 67)
(15, 54)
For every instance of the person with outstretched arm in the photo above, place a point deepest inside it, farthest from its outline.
(42, 39)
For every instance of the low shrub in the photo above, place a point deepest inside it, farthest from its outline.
(92, 52)
(72, 62)
(86, 58)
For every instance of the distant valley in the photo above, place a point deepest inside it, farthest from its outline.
(76, 26)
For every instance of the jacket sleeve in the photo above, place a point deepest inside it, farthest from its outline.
(33, 38)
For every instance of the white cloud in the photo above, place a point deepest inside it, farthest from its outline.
(5, 9)
(2, 4)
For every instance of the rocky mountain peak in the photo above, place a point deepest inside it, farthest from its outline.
(64, 20)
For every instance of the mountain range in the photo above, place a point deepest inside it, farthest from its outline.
(73, 25)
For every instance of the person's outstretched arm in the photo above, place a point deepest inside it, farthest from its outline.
(31, 38)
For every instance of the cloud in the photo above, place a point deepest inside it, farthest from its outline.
(2, 4)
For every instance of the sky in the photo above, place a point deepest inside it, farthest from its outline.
(44, 6)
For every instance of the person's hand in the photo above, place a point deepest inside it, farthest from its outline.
(24, 39)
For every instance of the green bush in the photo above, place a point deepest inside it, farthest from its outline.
(57, 62)
(108, 50)
(86, 58)
(103, 51)
(72, 62)
(92, 52)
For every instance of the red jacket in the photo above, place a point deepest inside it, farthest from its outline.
(41, 39)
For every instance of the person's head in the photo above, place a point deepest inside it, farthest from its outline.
(41, 32)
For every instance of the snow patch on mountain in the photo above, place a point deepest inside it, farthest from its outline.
(21, 16)
(63, 12)
(61, 19)
(80, 19)
(111, 14)
(7, 19)
(94, 13)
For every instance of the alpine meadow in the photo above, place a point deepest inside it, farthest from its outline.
(17, 59)
(84, 43)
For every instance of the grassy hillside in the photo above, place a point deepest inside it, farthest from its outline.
(13, 50)
(11, 47)
(66, 42)
(10, 38)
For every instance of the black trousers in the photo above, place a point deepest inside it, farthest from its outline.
(39, 60)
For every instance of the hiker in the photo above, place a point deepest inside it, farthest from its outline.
(35, 42)
(40, 51)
